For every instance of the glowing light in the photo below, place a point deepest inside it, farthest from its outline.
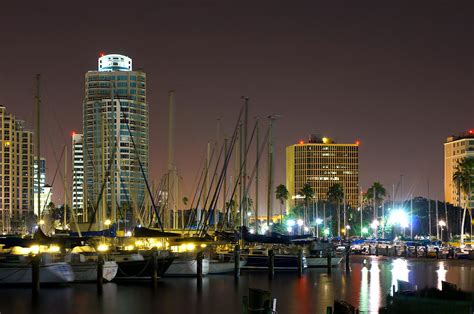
(128, 233)
(252, 230)
(41, 222)
(249, 214)
(107, 222)
(101, 54)
(357, 142)
(348, 227)
(288, 229)
(264, 228)
(204, 245)
(326, 231)
(301, 142)
(365, 230)
(471, 131)
(290, 223)
(319, 221)
(129, 248)
(306, 229)
(73, 133)
(398, 217)
(300, 222)
(102, 247)
(54, 249)
(442, 223)
(325, 140)
(35, 249)
(374, 224)
(139, 243)
(190, 246)
(7, 143)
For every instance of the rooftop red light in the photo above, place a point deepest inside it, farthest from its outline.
(101, 54)
(301, 142)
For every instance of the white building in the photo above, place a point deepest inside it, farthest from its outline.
(78, 177)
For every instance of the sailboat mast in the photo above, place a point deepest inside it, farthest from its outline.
(257, 140)
(270, 171)
(65, 188)
(38, 151)
(171, 164)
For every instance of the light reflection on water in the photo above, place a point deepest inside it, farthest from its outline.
(366, 287)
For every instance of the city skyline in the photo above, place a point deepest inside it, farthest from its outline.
(348, 83)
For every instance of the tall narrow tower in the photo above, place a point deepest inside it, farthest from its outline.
(115, 137)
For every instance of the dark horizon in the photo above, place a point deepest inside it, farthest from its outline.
(397, 78)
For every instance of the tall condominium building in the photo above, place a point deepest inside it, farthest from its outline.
(45, 191)
(115, 136)
(456, 148)
(322, 163)
(78, 177)
(16, 172)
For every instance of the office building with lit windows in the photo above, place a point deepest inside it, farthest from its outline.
(456, 148)
(45, 190)
(16, 173)
(115, 135)
(322, 162)
(78, 177)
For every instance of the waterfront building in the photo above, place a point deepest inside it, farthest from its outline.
(45, 191)
(456, 148)
(115, 136)
(16, 172)
(321, 162)
(78, 177)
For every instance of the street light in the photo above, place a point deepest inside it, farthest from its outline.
(442, 224)
(347, 231)
(318, 222)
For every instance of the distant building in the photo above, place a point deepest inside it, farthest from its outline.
(78, 177)
(115, 118)
(321, 162)
(45, 190)
(16, 172)
(456, 148)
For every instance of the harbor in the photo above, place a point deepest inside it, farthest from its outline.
(366, 287)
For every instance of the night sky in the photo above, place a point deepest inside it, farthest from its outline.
(396, 75)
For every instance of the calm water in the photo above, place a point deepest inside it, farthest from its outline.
(365, 287)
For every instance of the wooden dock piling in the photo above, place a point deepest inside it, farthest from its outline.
(100, 273)
(35, 274)
(300, 262)
(271, 263)
(237, 261)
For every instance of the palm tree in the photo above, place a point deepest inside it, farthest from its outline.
(376, 194)
(231, 206)
(307, 193)
(281, 193)
(462, 176)
(336, 196)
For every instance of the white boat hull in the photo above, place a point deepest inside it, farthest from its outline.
(186, 268)
(88, 271)
(219, 267)
(22, 273)
(322, 261)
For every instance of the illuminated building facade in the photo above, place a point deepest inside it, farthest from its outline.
(16, 173)
(45, 191)
(115, 135)
(456, 148)
(322, 163)
(78, 177)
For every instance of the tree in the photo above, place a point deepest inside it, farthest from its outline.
(185, 200)
(462, 176)
(336, 196)
(281, 193)
(375, 195)
(307, 193)
(231, 206)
